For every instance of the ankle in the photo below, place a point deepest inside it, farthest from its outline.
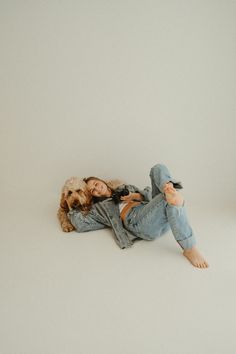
(190, 249)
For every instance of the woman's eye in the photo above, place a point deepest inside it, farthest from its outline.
(69, 193)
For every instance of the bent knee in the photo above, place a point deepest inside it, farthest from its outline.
(156, 167)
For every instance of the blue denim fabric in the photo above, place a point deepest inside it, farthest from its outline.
(153, 219)
(84, 223)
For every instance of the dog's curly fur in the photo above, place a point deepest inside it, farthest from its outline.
(74, 195)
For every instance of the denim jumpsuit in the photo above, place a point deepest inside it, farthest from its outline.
(153, 219)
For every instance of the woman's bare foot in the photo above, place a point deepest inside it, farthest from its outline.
(173, 197)
(195, 257)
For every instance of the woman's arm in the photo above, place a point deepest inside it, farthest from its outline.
(83, 223)
(146, 193)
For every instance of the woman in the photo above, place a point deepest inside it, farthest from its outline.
(142, 214)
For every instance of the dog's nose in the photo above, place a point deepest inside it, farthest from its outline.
(74, 205)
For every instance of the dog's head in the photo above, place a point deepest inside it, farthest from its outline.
(75, 195)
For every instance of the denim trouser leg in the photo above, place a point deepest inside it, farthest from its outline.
(159, 175)
(153, 219)
(180, 227)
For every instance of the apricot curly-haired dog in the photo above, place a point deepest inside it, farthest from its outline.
(74, 195)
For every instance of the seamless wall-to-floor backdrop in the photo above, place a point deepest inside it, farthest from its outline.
(110, 88)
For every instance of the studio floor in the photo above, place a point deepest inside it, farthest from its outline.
(79, 293)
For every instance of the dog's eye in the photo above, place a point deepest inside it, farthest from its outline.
(78, 190)
(69, 193)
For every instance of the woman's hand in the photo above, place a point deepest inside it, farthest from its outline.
(132, 196)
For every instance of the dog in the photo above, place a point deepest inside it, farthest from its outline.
(74, 195)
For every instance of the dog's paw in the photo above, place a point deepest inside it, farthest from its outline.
(66, 227)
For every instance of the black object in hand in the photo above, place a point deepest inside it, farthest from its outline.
(117, 194)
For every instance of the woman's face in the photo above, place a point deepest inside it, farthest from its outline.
(98, 188)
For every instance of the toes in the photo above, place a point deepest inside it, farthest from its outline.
(203, 265)
(169, 184)
(166, 189)
(169, 187)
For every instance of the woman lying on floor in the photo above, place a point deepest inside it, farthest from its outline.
(142, 214)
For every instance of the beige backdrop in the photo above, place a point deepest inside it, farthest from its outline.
(110, 88)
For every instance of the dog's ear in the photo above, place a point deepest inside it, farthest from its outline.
(63, 203)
